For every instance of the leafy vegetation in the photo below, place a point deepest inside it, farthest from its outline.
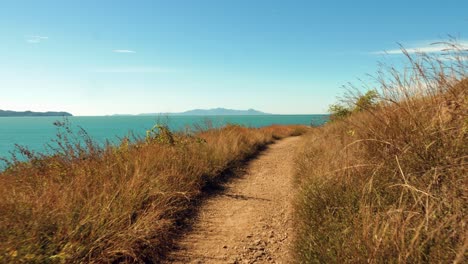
(386, 181)
(363, 102)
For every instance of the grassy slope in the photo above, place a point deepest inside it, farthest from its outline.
(113, 204)
(389, 184)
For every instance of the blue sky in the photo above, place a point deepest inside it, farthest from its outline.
(286, 57)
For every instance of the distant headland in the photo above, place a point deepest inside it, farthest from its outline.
(8, 113)
(212, 112)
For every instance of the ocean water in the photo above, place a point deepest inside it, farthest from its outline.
(36, 132)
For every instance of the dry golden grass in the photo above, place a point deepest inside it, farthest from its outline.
(118, 203)
(389, 184)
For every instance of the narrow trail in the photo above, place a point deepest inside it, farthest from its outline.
(250, 221)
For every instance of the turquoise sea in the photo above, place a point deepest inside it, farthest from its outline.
(35, 132)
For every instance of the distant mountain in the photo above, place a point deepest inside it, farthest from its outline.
(214, 111)
(222, 111)
(5, 113)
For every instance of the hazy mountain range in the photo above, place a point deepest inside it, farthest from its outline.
(5, 113)
(194, 112)
(210, 112)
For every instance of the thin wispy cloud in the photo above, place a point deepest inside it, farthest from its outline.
(435, 47)
(133, 70)
(36, 39)
(452, 58)
(123, 51)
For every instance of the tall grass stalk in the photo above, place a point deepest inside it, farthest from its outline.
(389, 183)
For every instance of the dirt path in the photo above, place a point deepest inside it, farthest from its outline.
(250, 221)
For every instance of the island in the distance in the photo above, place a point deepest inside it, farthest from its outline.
(211, 112)
(222, 111)
(205, 112)
(8, 113)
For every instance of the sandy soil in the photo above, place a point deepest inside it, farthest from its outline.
(250, 221)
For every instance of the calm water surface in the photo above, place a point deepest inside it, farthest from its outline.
(35, 132)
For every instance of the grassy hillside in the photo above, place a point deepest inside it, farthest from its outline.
(118, 203)
(386, 181)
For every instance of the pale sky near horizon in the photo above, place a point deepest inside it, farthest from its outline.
(128, 57)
